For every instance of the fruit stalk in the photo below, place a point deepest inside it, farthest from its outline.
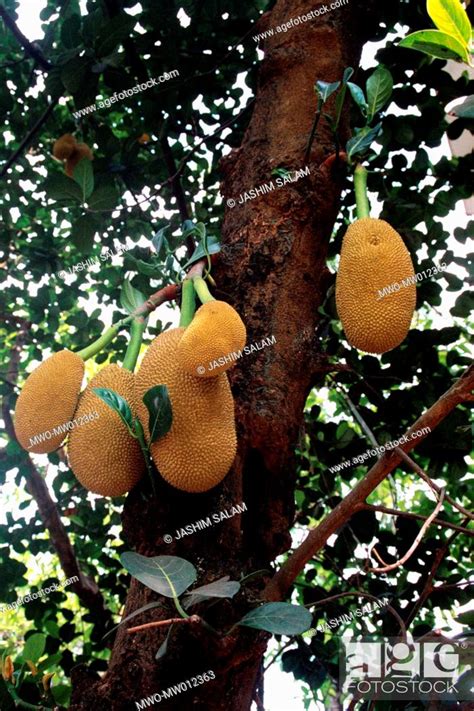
(137, 330)
(188, 303)
(360, 188)
(202, 290)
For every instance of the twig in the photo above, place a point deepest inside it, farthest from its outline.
(415, 544)
(29, 137)
(281, 582)
(431, 483)
(407, 514)
(280, 651)
(28, 46)
(369, 597)
(177, 189)
(192, 620)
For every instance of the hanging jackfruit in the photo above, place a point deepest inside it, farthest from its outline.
(64, 147)
(198, 451)
(103, 455)
(47, 401)
(212, 341)
(373, 256)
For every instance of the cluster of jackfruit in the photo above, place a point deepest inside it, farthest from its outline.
(373, 256)
(103, 455)
(67, 149)
(196, 453)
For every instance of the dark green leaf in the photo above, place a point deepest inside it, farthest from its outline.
(159, 409)
(118, 404)
(213, 247)
(61, 187)
(104, 198)
(131, 298)
(70, 32)
(379, 89)
(167, 575)
(83, 231)
(279, 618)
(113, 32)
(358, 96)
(362, 140)
(464, 110)
(219, 588)
(163, 648)
(158, 239)
(84, 177)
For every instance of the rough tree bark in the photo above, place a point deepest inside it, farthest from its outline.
(273, 270)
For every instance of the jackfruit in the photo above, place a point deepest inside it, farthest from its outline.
(213, 340)
(198, 451)
(48, 400)
(103, 455)
(64, 147)
(81, 151)
(373, 256)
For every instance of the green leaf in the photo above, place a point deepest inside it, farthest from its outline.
(117, 403)
(167, 575)
(464, 110)
(358, 96)
(379, 89)
(450, 17)
(213, 247)
(157, 401)
(113, 32)
(70, 32)
(104, 198)
(222, 588)
(362, 140)
(436, 44)
(84, 177)
(131, 298)
(61, 187)
(279, 618)
(158, 239)
(74, 74)
(348, 72)
(83, 231)
(325, 89)
(34, 647)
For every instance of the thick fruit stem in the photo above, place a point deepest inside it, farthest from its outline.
(188, 303)
(360, 188)
(137, 330)
(202, 290)
(97, 346)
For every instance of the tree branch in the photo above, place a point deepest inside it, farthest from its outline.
(177, 189)
(28, 46)
(193, 619)
(415, 544)
(419, 517)
(28, 138)
(281, 582)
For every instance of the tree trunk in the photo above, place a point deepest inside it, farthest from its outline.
(272, 269)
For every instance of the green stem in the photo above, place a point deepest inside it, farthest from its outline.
(137, 330)
(104, 340)
(202, 290)
(144, 447)
(188, 303)
(179, 608)
(360, 189)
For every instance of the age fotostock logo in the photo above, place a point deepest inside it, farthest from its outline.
(397, 669)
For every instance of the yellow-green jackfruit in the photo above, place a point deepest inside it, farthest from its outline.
(212, 340)
(198, 451)
(373, 257)
(103, 455)
(47, 401)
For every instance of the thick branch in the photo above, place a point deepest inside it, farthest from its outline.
(29, 47)
(316, 539)
(28, 138)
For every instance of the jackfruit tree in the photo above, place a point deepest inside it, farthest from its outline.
(179, 247)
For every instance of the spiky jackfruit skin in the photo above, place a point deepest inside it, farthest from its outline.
(48, 399)
(216, 332)
(81, 151)
(103, 455)
(64, 147)
(373, 256)
(198, 451)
